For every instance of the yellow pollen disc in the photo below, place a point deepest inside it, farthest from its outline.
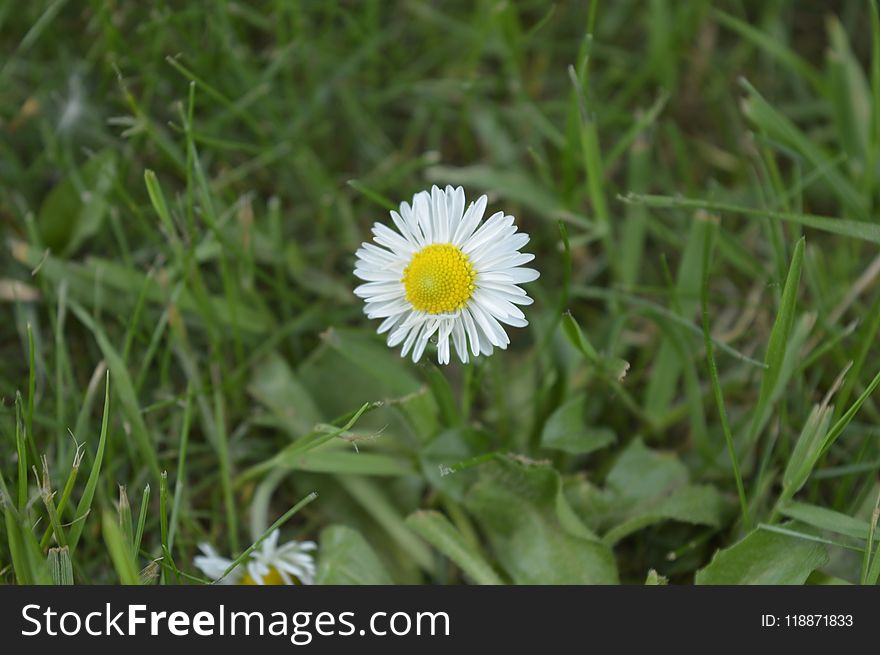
(439, 279)
(272, 578)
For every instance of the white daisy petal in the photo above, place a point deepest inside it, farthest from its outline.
(454, 208)
(422, 210)
(411, 339)
(439, 215)
(404, 228)
(469, 222)
(459, 340)
(523, 275)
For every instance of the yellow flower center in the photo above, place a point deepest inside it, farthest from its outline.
(271, 578)
(439, 279)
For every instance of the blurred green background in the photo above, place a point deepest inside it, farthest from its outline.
(183, 187)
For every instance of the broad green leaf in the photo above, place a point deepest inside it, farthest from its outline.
(697, 504)
(641, 474)
(565, 430)
(764, 557)
(517, 505)
(345, 557)
(436, 529)
(75, 209)
(646, 487)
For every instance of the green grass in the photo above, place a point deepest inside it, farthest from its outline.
(182, 359)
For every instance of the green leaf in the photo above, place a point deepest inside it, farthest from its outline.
(125, 390)
(60, 566)
(436, 529)
(779, 128)
(655, 579)
(275, 385)
(75, 209)
(764, 557)
(85, 502)
(613, 366)
(449, 449)
(863, 230)
(374, 499)
(807, 450)
(668, 362)
(28, 563)
(365, 353)
(777, 345)
(120, 550)
(291, 455)
(345, 558)
(329, 459)
(531, 529)
(773, 47)
(849, 93)
(513, 185)
(565, 430)
(646, 487)
(826, 519)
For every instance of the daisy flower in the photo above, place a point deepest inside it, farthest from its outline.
(442, 274)
(268, 564)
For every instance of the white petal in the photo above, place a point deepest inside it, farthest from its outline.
(439, 215)
(375, 275)
(419, 348)
(387, 237)
(389, 323)
(411, 339)
(454, 208)
(374, 288)
(501, 261)
(495, 305)
(491, 328)
(404, 229)
(386, 309)
(459, 339)
(469, 222)
(497, 227)
(522, 275)
(422, 211)
(473, 331)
